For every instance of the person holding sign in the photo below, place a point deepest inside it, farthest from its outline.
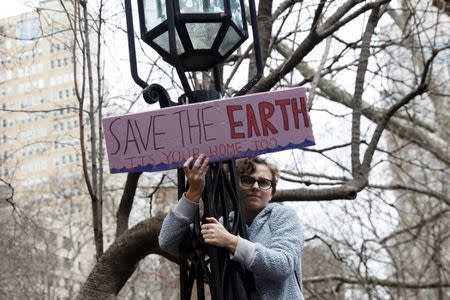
(274, 246)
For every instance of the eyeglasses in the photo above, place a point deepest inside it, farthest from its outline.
(263, 183)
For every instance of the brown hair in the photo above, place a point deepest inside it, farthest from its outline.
(246, 166)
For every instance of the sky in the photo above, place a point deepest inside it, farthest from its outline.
(15, 7)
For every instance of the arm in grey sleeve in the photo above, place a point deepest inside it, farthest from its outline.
(176, 224)
(285, 249)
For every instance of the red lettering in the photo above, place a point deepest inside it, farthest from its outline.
(222, 150)
(266, 110)
(233, 123)
(176, 156)
(296, 111)
(213, 151)
(282, 104)
(131, 162)
(273, 142)
(251, 122)
(238, 147)
(195, 152)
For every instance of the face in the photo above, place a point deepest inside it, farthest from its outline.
(255, 198)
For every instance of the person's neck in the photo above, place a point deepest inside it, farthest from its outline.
(250, 216)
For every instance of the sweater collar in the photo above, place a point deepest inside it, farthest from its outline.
(261, 218)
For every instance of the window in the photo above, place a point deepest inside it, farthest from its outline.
(29, 29)
(7, 75)
(67, 263)
(52, 238)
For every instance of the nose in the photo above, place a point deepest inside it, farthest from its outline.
(255, 185)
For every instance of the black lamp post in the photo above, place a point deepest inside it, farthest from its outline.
(199, 35)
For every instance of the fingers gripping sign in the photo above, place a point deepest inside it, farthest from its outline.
(215, 234)
(195, 173)
(212, 232)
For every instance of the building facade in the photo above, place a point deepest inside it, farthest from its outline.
(39, 146)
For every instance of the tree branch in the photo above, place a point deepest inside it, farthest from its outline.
(126, 203)
(118, 263)
(347, 191)
(421, 88)
(357, 96)
(377, 281)
(401, 128)
(312, 40)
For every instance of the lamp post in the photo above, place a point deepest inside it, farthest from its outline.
(199, 35)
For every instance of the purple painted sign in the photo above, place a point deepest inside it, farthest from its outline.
(227, 128)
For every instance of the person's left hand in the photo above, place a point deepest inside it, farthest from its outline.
(215, 234)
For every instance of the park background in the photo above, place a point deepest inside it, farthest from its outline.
(372, 195)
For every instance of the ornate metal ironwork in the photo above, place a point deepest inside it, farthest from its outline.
(156, 93)
(207, 265)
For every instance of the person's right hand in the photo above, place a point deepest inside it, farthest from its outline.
(196, 176)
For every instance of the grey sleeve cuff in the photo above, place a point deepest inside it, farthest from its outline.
(185, 208)
(245, 252)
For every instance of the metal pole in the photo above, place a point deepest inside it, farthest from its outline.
(210, 265)
(200, 263)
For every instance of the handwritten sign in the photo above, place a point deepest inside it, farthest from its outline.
(227, 128)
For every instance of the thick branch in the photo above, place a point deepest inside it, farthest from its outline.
(429, 192)
(399, 127)
(421, 88)
(345, 191)
(97, 204)
(377, 281)
(126, 203)
(118, 263)
(265, 29)
(359, 88)
(312, 40)
(419, 224)
(282, 7)
(443, 5)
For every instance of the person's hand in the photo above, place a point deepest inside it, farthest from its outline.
(215, 234)
(196, 176)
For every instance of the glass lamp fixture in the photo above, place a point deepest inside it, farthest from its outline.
(199, 35)
(205, 32)
(193, 35)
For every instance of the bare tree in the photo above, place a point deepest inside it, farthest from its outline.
(368, 40)
(26, 271)
(379, 72)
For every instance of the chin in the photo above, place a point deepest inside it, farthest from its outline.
(254, 207)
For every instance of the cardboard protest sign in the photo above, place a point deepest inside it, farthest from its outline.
(226, 128)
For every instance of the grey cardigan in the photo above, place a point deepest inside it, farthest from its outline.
(272, 252)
